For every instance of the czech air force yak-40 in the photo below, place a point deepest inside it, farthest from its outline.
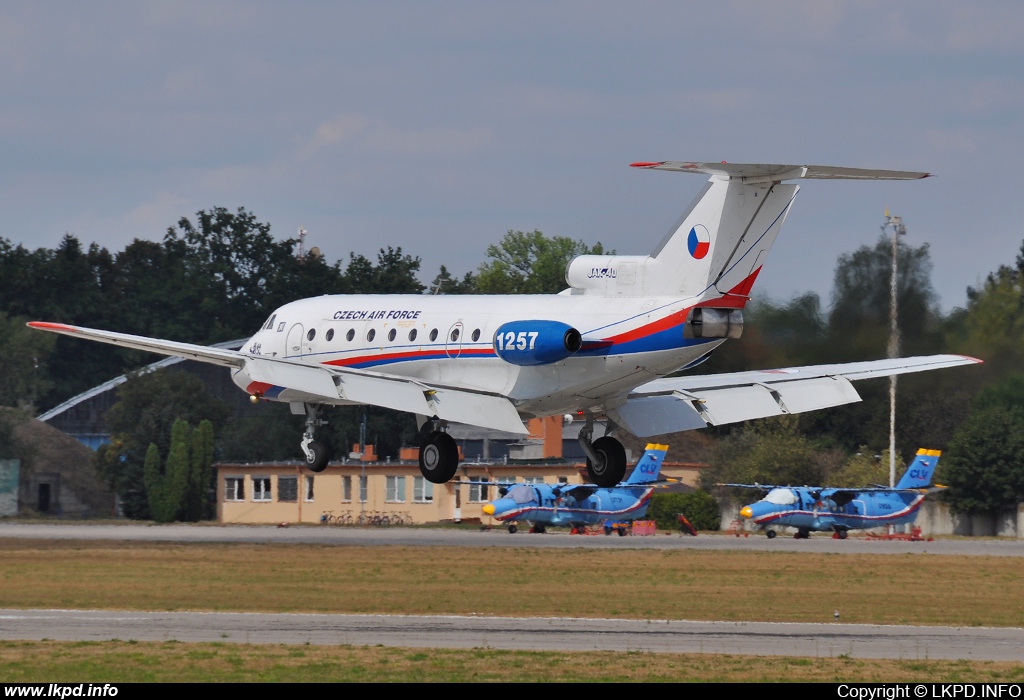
(824, 509)
(599, 350)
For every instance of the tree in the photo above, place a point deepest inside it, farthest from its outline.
(167, 488)
(863, 469)
(699, 507)
(984, 465)
(24, 354)
(394, 273)
(145, 413)
(444, 283)
(196, 504)
(530, 263)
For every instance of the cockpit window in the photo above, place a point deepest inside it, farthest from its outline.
(522, 494)
(270, 323)
(781, 497)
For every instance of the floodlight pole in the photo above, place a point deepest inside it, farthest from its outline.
(898, 229)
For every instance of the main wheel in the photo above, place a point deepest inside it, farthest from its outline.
(317, 460)
(612, 462)
(842, 534)
(512, 529)
(770, 534)
(439, 457)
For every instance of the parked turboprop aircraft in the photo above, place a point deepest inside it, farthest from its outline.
(580, 504)
(601, 348)
(821, 509)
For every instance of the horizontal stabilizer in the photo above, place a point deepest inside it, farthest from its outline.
(767, 172)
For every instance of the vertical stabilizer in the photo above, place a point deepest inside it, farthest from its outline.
(919, 473)
(649, 467)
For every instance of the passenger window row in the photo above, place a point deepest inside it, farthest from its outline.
(392, 334)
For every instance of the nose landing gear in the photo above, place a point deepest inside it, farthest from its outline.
(316, 452)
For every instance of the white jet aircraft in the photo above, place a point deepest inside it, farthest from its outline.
(600, 349)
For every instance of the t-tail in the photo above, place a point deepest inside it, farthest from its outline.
(648, 469)
(717, 248)
(919, 473)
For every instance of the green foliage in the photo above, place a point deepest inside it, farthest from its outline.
(157, 486)
(178, 491)
(530, 263)
(444, 283)
(984, 465)
(771, 451)
(23, 356)
(196, 504)
(699, 507)
(863, 469)
(145, 413)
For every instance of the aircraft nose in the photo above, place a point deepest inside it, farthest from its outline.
(489, 509)
(747, 512)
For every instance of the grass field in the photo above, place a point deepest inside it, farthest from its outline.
(663, 584)
(126, 661)
(679, 584)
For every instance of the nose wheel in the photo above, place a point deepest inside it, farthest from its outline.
(315, 451)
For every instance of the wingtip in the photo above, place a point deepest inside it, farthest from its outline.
(645, 164)
(47, 326)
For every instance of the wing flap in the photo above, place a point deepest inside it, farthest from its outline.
(485, 410)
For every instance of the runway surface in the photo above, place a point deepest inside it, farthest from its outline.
(749, 638)
(447, 537)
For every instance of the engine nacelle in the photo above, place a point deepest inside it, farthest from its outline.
(714, 323)
(528, 343)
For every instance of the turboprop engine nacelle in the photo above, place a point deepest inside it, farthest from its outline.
(527, 343)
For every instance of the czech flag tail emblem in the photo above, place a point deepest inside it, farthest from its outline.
(698, 242)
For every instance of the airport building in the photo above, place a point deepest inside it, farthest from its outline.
(360, 492)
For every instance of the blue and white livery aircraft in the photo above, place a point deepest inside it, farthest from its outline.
(839, 510)
(600, 350)
(586, 504)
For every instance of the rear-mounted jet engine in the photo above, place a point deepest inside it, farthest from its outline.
(714, 323)
(528, 343)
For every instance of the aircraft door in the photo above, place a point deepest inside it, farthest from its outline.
(453, 341)
(295, 346)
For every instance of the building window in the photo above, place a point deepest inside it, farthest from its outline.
(536, 480)
(309, 488)
(422, 490)
(288, 489)
(346, 489)
(234, 488)
(394, 491)
(478, 493)
(261, 488)
(362, 489)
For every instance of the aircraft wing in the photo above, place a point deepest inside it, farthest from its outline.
(676, 404)
(328, 383)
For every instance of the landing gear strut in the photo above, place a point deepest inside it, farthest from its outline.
(316, 452)
(606, 457)
(439, 454)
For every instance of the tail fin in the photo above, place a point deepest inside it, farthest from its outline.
(718, 247)
(649, 467)
(919, 473)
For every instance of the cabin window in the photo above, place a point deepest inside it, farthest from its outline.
(350, 335)
(412, 335)
(288, 489)
(392, 334)
(476, 335)
(261, 488)
(311, 334)
(422, 490)
(234, 488)
(370, 335)
(330, 334)
(781, 497)
(455, 335)
(394, 489)
(433, 335)
(280, 327)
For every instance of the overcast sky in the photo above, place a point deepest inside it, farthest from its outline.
(439, 126)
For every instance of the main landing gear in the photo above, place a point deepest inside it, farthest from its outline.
(439, 454)
(316, 451)
(606, 457)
